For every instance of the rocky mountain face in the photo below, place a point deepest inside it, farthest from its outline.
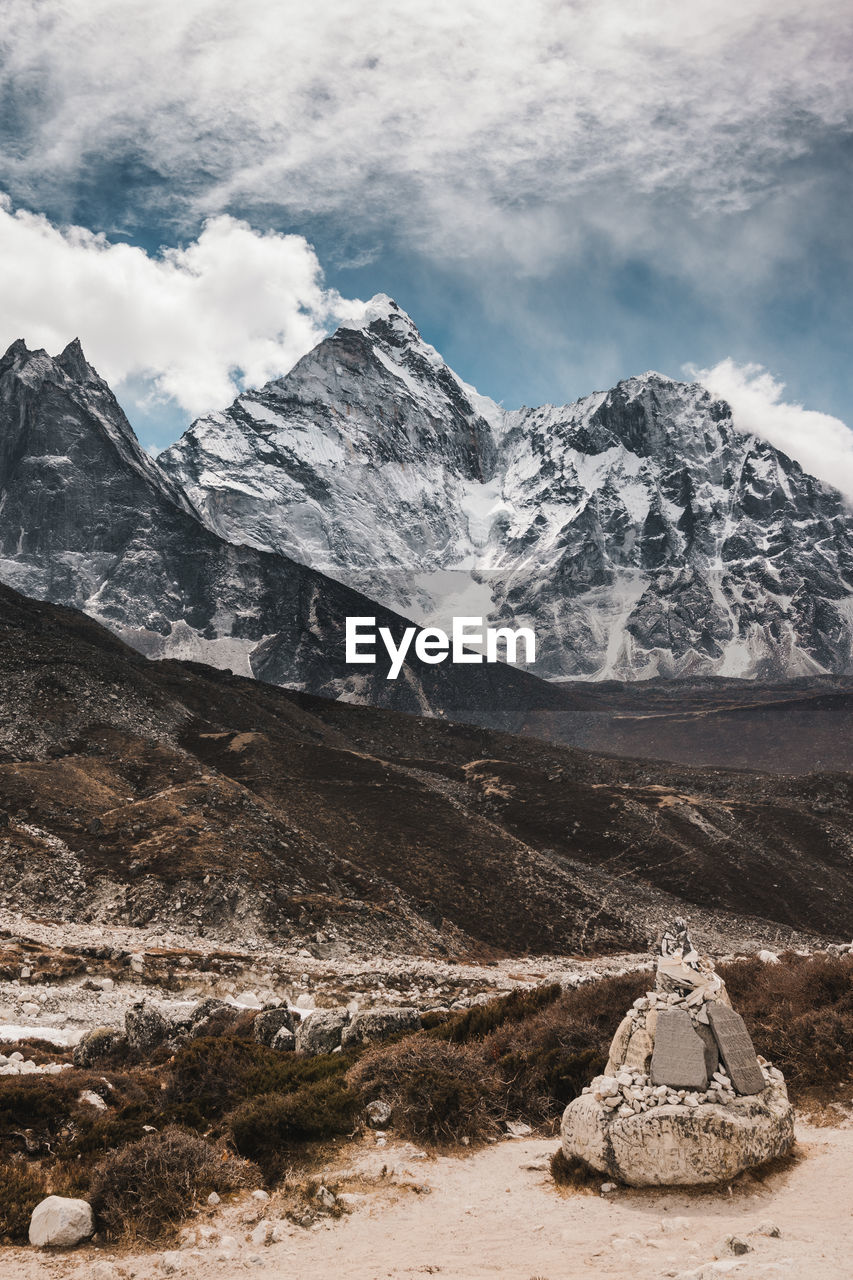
(638, 531)
(87, 519)
(170, 793)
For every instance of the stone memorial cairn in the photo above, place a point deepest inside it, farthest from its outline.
(683, 1099)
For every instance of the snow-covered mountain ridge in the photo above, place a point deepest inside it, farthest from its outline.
(639, 531)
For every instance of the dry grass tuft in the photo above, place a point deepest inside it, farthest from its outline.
(574, 1175)
(22, 1186)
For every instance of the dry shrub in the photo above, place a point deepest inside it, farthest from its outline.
(547, 1059)
(211, 1076)
(144, 1190)
(438, 1091)
(22, 1187)
(800, 1016)
(481, 1019)
(267, 1128)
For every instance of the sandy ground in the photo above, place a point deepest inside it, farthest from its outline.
(497, 1213)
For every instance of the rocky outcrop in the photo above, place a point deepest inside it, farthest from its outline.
(269, 1023)
(60, 1223)
(320, 1031)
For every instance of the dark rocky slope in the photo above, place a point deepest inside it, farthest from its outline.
(137, 791)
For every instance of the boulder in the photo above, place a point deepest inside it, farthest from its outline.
(60, 1223)
(145, 1026)
(98, 1045)
(321, 1030)
(380, 1023)
(212, 1017)
(680, 1145)
(268, 1023)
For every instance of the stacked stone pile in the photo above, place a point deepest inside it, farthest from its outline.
(630, 1092)
(684, 1098)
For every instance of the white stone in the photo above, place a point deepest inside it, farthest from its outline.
(60, 1223)
(91, 1099)
(261, 1196)
(213, 1198)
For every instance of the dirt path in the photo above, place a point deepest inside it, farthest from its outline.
(492, 1215)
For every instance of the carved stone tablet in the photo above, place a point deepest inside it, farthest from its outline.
(736, 1049)
(712, 1053)
(679, 1056)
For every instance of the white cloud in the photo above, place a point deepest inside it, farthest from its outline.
(454, 121)
(823, 445)
(232, 308)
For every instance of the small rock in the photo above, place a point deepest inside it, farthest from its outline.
(104, 1271)
(737, 1245)
(171, 1263)
(378, 1113)
(60, 1223)
(350, 1200)
(607, 1187)
(325, 1198)
(213, 1199)
(284, 1040)
(248, 1000)
(261, 1196)
(89, 1098)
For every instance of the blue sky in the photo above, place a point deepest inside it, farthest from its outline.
(560, 194)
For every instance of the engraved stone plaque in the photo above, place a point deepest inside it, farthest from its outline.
(736, 1049)
(712, 1053)
(679, 1056)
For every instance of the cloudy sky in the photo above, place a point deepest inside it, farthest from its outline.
(560, 193)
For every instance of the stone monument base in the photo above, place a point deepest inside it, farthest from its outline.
(680, 1145)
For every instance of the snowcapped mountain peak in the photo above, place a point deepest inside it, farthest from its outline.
(383, 309)
(637, 530)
